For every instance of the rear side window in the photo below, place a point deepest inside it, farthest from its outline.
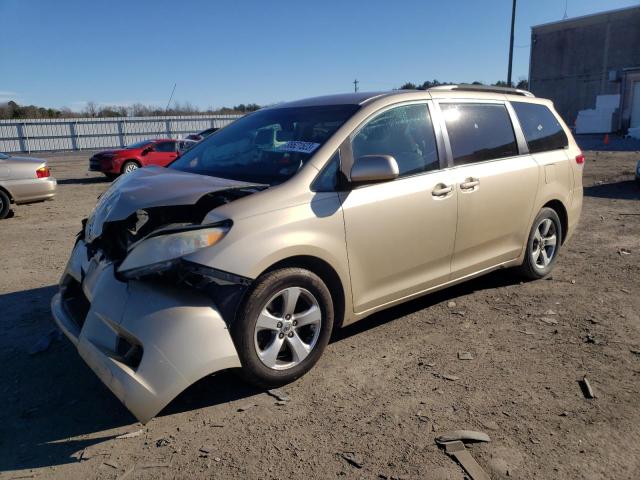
(479, 132)
(166, 147)
(541, 128)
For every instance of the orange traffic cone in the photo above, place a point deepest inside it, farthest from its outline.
(606, 139)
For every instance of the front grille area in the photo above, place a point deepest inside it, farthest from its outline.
(75, 302)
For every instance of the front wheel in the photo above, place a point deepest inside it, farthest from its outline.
(129, 166)
(543, 245)
(5, 205)
(283, 327)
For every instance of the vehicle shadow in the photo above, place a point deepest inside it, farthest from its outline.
(496, 279)
(623, 190)
(84, 181)
(53, 406)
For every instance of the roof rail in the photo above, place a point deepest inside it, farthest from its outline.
(463, 87)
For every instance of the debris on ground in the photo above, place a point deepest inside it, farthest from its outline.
(352, 459)
(137, 433)
(462, 435)
(624, 251)
(279, 395)
(246, 407)
(452, 304)
(590, 338)
(111, 464)
(490, 424)
(465, 356)
(587, 391)
(635, 351)
(526, 332)
(162, 442)
(206, 450)
(550, 312)
(451, 378)
(454, 446)
(549, 320)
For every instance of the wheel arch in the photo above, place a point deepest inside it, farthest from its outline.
(326, 273)
(561, 210)
(8, 193)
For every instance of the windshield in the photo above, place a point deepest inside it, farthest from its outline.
(3, 156)
(268, 146)
(139, 144)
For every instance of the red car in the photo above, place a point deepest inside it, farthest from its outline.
(159, 152)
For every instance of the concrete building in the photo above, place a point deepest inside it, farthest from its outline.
(575, 60)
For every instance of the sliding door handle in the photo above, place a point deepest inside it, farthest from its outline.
(469, 183)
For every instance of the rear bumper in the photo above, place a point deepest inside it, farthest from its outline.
(32, 190)
(147, 342)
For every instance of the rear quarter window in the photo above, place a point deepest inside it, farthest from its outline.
(479, 132)
(541, 128)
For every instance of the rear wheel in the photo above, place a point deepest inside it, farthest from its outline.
(283, 326)
(129, 166)
(543, 245)
(5, 204)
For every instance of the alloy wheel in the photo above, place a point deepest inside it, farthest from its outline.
(543, 247)
(287, 328)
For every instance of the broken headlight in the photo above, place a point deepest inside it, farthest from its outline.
(160, 252)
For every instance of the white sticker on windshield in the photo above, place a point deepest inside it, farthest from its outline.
(299, 147)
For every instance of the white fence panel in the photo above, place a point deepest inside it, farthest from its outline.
(32, 135)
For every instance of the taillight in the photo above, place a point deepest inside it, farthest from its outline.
(580, 158)
(43, 172)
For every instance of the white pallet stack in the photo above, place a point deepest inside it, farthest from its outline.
(602, 118)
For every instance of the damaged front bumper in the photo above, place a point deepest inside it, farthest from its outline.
(147, 341)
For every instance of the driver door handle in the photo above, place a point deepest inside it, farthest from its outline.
(442, 190)
(469, 183)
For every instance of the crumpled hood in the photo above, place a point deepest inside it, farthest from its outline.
(152, 187)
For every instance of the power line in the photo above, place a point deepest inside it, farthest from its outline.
(171, 96)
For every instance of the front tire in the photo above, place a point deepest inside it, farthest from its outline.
(283, 326)
(129, 166)
(543, 245)
(5, 205)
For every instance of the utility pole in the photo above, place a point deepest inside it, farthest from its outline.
(355, 85)
(513, 22)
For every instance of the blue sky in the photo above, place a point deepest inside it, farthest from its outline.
(67, 52)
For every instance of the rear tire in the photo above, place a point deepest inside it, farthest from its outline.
(543, 245)
(283, 326)
(5, 205)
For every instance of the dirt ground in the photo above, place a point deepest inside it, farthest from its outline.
(378, 395)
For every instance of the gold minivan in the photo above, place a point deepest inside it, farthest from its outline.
(251, 248)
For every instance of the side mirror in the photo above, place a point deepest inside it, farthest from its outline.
(147, 150)
(374, 168)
